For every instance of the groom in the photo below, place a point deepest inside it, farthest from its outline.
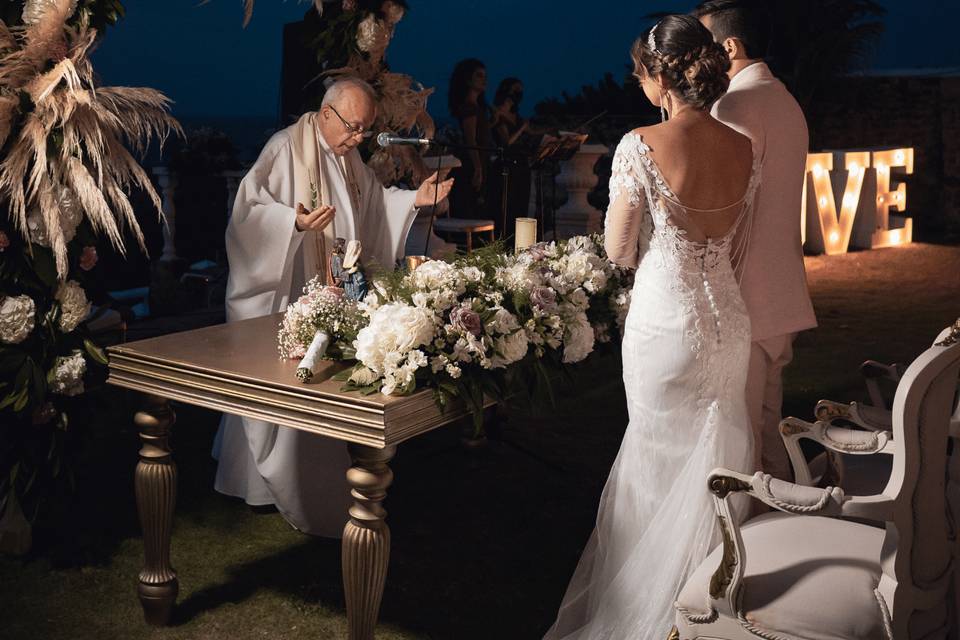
(774, 284)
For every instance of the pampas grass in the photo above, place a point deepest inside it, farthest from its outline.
(65, 139)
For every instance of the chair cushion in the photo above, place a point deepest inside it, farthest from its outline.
(805, 576)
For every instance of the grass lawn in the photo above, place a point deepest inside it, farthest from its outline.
(484, 540)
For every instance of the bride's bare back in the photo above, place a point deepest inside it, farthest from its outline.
(707, 165)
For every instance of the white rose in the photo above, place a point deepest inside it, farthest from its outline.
(503, 322)
(472, 274)
(68, 374)
(17, 318)
(74, 306)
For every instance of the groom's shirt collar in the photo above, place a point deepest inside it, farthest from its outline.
(755, 71)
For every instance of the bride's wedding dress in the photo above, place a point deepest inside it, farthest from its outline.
(685, 354)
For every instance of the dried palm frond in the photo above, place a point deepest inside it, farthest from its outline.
(69, 149)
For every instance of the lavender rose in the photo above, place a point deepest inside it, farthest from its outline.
(466, 320)
(543, 298)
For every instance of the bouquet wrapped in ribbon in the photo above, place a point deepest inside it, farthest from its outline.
(322, 324)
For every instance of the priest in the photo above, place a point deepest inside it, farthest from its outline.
(308, 187)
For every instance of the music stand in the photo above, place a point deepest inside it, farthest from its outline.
(552, 151)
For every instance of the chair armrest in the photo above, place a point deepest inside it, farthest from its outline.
(862, 415)
(835, 439)
(726, 582)
(872, 372)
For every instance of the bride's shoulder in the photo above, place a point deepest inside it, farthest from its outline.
(634, 140)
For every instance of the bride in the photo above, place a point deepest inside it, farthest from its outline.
(681, 196)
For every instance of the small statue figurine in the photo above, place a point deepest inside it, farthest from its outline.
(354, 282)
(336, 263)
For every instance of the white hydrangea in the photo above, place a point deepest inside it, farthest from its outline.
(578, 338)
(74, 306)
(17, 318)
(518, 277)
(67, 374)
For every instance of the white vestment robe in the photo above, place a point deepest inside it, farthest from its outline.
(303, 474)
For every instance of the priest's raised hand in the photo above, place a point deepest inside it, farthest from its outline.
(317, 220)
(427, 193)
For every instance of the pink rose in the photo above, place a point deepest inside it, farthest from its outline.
(4, 241)
(88, 258)
(466, 320)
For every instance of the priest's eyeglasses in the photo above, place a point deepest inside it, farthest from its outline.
(354, 131)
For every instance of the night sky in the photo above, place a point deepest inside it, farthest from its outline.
(201, 57)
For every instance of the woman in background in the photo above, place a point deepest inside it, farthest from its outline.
(468, 105)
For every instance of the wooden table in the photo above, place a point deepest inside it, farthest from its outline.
(235, 368)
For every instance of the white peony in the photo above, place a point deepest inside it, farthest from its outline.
(510, 349)
(394, 330)
(74, 306)
(17, 318)
(67, 374)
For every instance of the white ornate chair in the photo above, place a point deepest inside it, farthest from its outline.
(850, 464)
(810, 571)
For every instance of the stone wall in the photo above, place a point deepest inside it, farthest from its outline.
(919, 111)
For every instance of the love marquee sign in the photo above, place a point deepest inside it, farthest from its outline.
(864, 219)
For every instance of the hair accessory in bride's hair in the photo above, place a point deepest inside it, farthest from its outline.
(651, 41)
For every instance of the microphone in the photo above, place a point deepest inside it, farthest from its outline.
(384, 139)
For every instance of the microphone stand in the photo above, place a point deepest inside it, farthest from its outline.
(502, 156)
(436, 199)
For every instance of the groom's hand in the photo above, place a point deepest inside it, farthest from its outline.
(318, 219)
(431, 189)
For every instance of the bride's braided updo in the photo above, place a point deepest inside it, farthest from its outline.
(682, 51)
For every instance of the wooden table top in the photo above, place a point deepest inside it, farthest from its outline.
(236, 368)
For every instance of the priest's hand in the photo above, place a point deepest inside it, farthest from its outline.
(432, 190)
(318, 219)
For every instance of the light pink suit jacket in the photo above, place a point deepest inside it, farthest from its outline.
(774, 283)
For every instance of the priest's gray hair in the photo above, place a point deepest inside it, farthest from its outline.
(336, 90)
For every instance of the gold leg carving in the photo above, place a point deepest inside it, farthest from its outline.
(366, 538)
(155, 483)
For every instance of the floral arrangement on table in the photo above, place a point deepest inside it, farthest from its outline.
(65, 172)
(469, 327)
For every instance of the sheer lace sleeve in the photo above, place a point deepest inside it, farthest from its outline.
(628, 224)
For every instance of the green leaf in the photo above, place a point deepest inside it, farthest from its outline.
(95, 352)
(21, 402)
(11, 398)
(343, 376)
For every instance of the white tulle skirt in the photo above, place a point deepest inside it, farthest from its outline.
(656, 522)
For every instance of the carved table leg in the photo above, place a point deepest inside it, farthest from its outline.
(156, 489)
(366, 538)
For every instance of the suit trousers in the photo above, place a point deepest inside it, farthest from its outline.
(768, 358)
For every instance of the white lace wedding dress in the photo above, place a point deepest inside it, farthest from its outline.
(685, 354)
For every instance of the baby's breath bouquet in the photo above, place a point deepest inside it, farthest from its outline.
(322, 318)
